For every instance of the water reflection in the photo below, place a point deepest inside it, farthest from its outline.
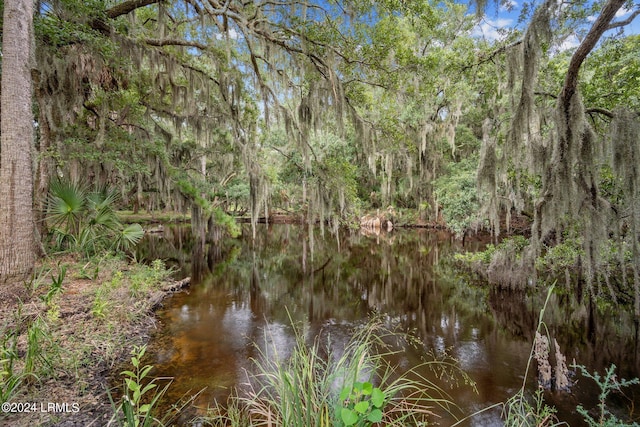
(247, 291)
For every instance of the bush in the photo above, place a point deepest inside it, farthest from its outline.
(86, 222)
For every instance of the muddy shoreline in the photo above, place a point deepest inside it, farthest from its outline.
(80, 346)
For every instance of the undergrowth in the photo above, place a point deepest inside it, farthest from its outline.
(319, 385)
(73, 328)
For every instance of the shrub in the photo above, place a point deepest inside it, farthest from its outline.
(608, 383)
(85, 221)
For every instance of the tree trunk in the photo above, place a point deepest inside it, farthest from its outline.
(570, 151)
(17, 255)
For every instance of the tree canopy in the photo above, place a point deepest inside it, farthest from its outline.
(332, 109)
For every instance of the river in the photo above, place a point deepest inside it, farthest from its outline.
(243, 287)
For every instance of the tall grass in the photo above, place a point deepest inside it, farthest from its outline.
(318, 385)
(10, 380)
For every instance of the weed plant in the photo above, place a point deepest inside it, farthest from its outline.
(10, 380)
(608, 384)
(141, 396)
(55, 287)
(318, 386)
(41, 349)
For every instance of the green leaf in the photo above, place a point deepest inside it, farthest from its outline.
(129, 236)
(349, 417)
(145, 371)
(377, 397)
(375, 416)
(367, 388)
(344, 394)
(131, 385)
(144, 408)
(147, 388)
(128, 373)
(362, 407)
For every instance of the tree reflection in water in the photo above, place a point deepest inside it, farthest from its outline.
(241, 286)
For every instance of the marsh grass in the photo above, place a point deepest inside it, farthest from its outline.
(319, 385)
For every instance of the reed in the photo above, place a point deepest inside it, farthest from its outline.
(319, 385)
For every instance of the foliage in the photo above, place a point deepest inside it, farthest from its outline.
(56, 285)
(561, 258)
(86, 222)
(227, 222)
(145, 277)
(521, 411)
(10, 380)
(362, 404)
(612, 74)
(609, 383)
(479, 261)
(41, 350)
(315, 385)
(137, 389)
(457, 194)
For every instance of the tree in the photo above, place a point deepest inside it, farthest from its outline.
(17, 255)
(553, 155)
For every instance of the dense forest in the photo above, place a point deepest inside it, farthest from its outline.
(329, 111)
(335, 114)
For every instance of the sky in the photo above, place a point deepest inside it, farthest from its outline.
(500, 17)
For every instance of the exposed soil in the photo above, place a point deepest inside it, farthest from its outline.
(80, 345)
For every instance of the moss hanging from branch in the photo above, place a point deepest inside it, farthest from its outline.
(560, 146)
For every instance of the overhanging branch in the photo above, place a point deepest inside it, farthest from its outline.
(627, 21)
(128, 7)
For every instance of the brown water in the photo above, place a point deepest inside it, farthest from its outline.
(243, 287)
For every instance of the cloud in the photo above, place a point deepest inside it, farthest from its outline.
(508, 6)
(622, 12)
(569, 43)
(233, 35)
(490, 29)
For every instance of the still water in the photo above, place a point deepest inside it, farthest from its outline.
(242, 287)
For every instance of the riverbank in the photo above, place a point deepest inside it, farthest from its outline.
(80, 322)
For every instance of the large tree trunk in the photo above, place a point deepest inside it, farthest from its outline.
(17, 255)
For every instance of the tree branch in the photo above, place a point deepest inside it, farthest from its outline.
(493, 54)
(625, 22)
(599, 27)
(128, 7)
(175, 42)
(597, 110)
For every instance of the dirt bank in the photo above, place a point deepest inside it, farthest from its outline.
(61, 344)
